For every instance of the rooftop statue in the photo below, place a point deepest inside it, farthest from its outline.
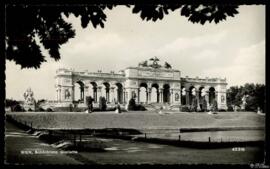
(143, 64)
(167, 65)
(154, 64)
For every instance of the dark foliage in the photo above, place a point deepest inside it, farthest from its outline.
(135, 107)
(11, 103)
(132, 104)
(40, 109)
(194, 13)
(214, 106)
(255, 99)
(49, 110)
(194, 104)
(203, 105)
(18, 108)
(102, 103)
(29, 27)
(185, 108)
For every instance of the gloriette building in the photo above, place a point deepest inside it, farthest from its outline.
(148, 83)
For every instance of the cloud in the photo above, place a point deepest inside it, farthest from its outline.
(248, 66)
(207, 54)
(181, 44)
(93, 42)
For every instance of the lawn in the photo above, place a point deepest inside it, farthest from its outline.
(138, 120)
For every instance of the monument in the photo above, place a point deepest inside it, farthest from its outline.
(29, 101)
(151, 82)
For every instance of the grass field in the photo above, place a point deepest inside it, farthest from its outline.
(131, 152)
(138, 120)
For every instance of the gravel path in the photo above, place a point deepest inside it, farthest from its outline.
(23, 148)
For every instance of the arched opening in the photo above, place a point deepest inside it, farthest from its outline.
(105, 91)
(166, 93)
(143, 93)
(192, 94)
(211, 95)
(119, 92)
(183, 95)
(93, 91)
(79, 91)
(154, 93)
(202, 101)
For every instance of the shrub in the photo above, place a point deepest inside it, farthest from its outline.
(102, 103)
(230, 108)
(49, 110)
(40, 109)
(132, 104)
(18, 108)
(185, 108)
(140, 107)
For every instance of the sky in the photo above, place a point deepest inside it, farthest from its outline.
(233, 49)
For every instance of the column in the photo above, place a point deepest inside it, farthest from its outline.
(207, 99)
(187, 97)
(161, 95)
(218, 99)
(81, 93)
(94, 94)
(171, 96)
(72, 93)
(107, 95)
(198, 99)
(57, 94)
(62, 94)
(129, 94)
(85, 91)
(124, 96)
(149, 95)
(98, 92)
(112, 96)
(146, 91)
(138, 95)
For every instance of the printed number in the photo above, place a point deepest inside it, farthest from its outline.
(238, 149)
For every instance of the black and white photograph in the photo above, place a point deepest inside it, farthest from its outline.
(170, 84)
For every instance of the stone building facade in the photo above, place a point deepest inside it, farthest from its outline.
(158, 85)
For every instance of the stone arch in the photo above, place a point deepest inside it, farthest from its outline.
(143, 92)
(183, 95)
(105, 91)
(79, 91)
(166, 93)
(192, 94)
(212, 95)
(202, 99)
(155, 93)
(119, 92)
(93, 90)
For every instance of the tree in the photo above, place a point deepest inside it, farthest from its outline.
(11, 103)
(255, 93)
(29, 27)
(132, 104)
(102, 103)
